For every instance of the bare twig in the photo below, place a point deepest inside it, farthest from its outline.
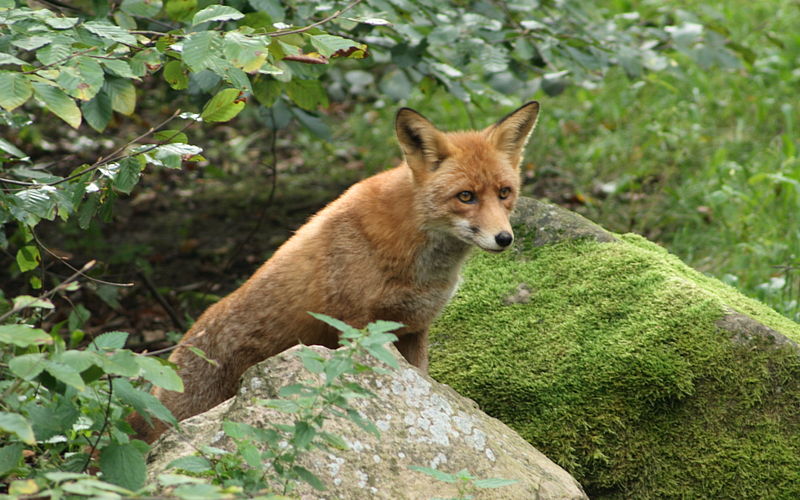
(64, 261)
(314, 25)
(148, 283)
(20, 306)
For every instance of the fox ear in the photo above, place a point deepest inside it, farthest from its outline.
(511, 133)
(423, 145)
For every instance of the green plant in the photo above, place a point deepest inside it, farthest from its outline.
(467, 484)
(266, 458)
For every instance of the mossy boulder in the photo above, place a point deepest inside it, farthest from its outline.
(640, 376)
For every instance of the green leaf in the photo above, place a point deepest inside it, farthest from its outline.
(77, 360)
(52, 419)
(130, 170)
(27, 366)
(334, 440)
(190, 464)
(28, 258)
(32, 42)
(223, 106)
(61, 23)
(171, 136)
(180, 10)
(216, 13)
(338, 324)
(382, 326)
(383, 355)
(14, 423)
(307, 476)
(308, 94)
(272, 7)
(9, 59)
(97, 112)
(122, 363)
(53, 53)
(143, 402)
(122, 93)
(159, 373)
(118, 67)
(327, 45)
(23, 335)
(267, 91)
(82, 79)
(65, 373)
(15, 90)
(108, 341)
(141, 8)
(123, 465)
(303, 434)
(12, 149)
(10, 456)
(200, 49)
(438, 475)
(59, 103)
(105, 29)
(282, 405)
(176, 75)
(493, 483)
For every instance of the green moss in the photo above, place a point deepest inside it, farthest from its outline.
(615, 368)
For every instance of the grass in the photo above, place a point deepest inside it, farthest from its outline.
(704, 161)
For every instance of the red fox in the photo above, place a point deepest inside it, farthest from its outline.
(389, 248)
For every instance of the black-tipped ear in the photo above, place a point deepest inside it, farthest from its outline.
(511, 133)
(422, 143)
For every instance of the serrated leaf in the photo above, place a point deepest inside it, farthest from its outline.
(327, 45)
(334, 440)
(216, 13)
(52, 419)
(338, 324)
(159, 373)
(118, 67)
(223, 106)
(23, 335)
(105, 29)
(14, 423)
(32, 42)
(199, 49)
(307, 476)
(143, 402)
(142, 8)
(59, 103)
(122, 93)
(122, 363)
(190, 464)
(308, 94)
(281, 405)
(77, 360)
(27, 366)
(65, 373)
(383, 355)
(10, 456)
(108, 341)
(53, 53)
(130, 169)
(15, 90)
(303, 434)
(97, 111)
(123, 465)
(61, 23)
(267, 91)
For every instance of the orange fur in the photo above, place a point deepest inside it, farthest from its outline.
(390, 248)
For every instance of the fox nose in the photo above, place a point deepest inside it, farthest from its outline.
(503, 238)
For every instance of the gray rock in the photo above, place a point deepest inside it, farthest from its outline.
(422, 422)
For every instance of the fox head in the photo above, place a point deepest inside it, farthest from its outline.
(466, 183)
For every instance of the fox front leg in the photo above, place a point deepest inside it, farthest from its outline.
(414, 347)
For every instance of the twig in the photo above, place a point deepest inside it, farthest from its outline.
(314, 25)
(103, 428)
(148, 283)
(64, 261)
(19, 306)
(114, 156)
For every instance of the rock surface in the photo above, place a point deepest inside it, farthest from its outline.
(640, 376)
(422, 423)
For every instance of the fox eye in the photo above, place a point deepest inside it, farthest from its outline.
(466, 197)
(504, 193)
